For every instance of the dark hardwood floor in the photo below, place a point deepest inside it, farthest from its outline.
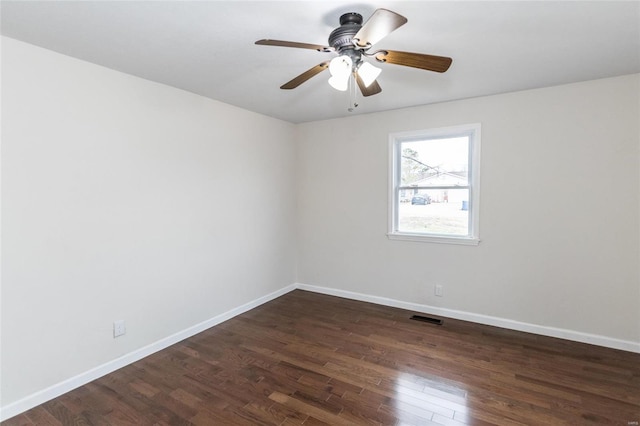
(312, 359)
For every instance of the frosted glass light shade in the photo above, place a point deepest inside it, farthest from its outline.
(368, 73)
(340, 69)
(339, 83)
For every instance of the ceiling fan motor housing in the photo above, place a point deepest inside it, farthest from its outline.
(341, 37)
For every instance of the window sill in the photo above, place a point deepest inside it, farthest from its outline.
(467, 241)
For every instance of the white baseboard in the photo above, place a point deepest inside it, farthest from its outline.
(561, 333)
(65, 386)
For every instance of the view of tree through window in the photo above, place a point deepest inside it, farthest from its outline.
(434, 186)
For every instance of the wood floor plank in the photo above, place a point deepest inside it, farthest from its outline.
(43, 417)
(22, 420)
(302, 406)
(311, 359)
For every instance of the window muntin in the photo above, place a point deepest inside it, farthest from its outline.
(434, 185)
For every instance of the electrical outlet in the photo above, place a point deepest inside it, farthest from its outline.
(119, 328)
(438, 290)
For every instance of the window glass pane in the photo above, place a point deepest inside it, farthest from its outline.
(435, 162)
(434, 211)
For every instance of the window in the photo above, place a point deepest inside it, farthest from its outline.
(434, 185)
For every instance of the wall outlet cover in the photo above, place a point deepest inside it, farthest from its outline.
(119, 328)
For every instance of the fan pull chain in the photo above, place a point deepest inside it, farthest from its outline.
(352, 94)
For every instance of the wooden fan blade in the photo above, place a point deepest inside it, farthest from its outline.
(373, 89)
(282, 43)
(415, 60)
(378, 26)
(305, 76)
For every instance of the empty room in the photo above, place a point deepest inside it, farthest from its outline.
(317, 212)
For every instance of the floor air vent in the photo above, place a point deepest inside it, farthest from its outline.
(430, 320)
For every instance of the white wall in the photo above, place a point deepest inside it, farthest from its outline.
(127, 199)
(559, 223)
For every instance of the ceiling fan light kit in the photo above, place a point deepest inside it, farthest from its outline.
(352, 41)
(368, 73)
(340, 68)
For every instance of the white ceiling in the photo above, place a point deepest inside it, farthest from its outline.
(208, 47)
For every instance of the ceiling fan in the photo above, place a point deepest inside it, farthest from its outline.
(352, 41)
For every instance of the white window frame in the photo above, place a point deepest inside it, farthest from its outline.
(395, 141)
